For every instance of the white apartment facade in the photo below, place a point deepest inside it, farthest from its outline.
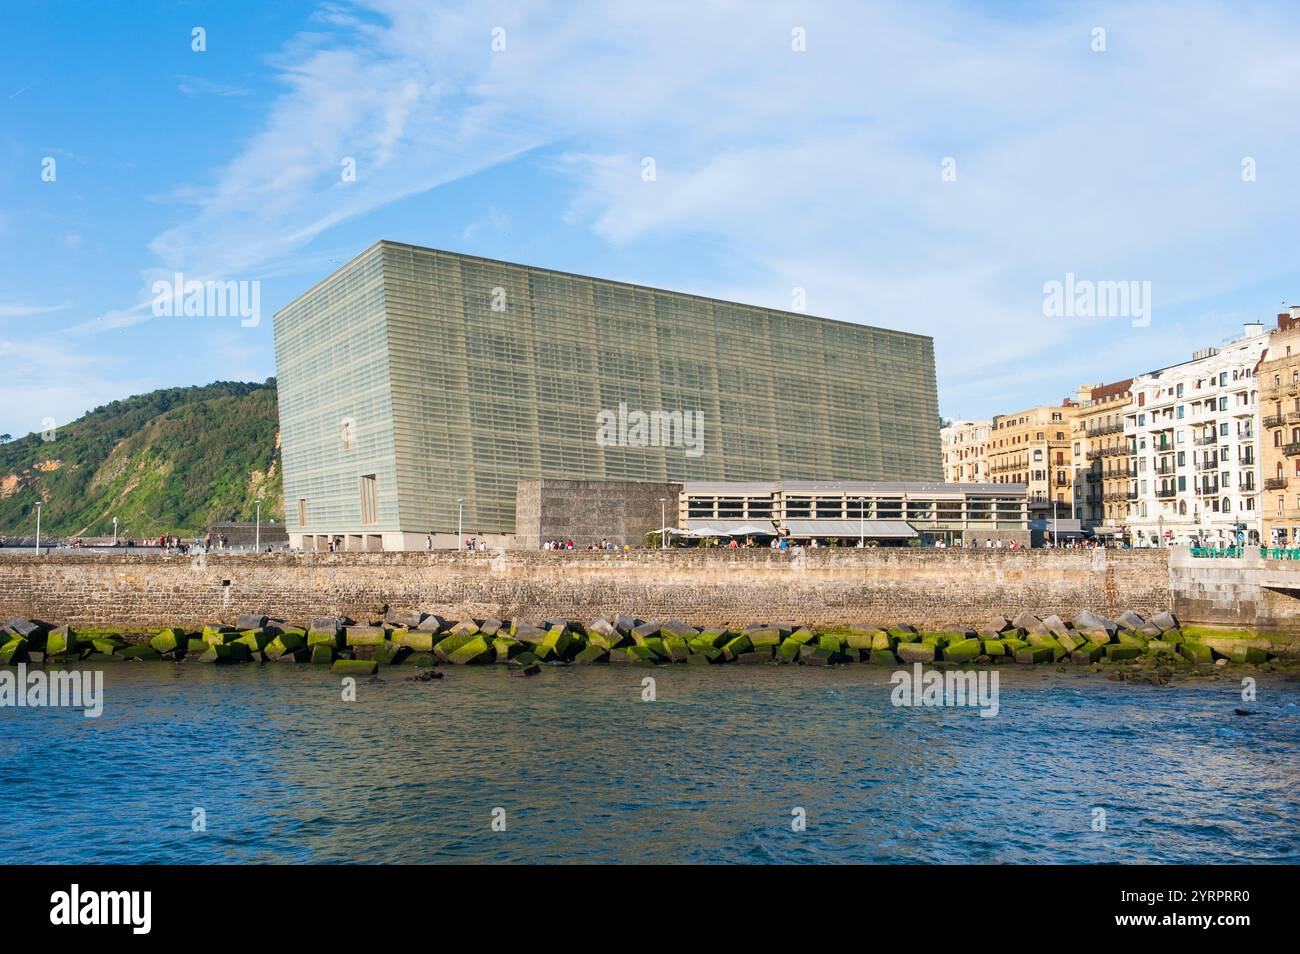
(1193, 442)
(965, 452)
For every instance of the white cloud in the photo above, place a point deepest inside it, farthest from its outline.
(28, 311)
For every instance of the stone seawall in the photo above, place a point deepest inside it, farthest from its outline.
(928, 588)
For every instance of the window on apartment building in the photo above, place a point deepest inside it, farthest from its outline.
(345, 433)
(302, 511)
(1182, 483)
(1223, 379)
(1179, 390)
(1277, 438)
(1182, 458)
(1180, 412)
(369, 499)
(1226, 506)
(1060, 458)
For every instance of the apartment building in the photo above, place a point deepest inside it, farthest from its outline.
(1036, 448)
(1279, 400)
(1193, 443)
(1101, 466)
(964, 452)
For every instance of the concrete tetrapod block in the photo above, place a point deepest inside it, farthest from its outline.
(964, 651)
(915, 652)
(1034, 654)
(364, 636)
(476, 650)
(737, 647)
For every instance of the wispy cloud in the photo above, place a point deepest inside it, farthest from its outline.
(198, 86)
(28, 311)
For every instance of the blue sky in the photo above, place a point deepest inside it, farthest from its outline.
(775, 169)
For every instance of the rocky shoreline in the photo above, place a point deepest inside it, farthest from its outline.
(1158, 644)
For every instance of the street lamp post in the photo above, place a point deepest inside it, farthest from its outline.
(862, 522)
(38, 528)
(460, 519)
(663, 523)
(257, 534)
(115, 531)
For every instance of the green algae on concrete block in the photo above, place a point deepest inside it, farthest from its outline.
(884, 642)
(422, 660)
(1013, 644)
(219, 635)
(138, 652)
(734, 648)
(1196, 652)
(1129, 638)
(559, 642)
(255, 639)
(915, 652)
(768, 637)
(466, 627)
(364, 636)
(788, 651)
(415, 640)
(1161, 647)
(223, 653)
(675, 649)
(1119, 652)
(322, 655)
(355, 667)
(477, 649)
(14, 651)
(592, 654)
(1034, 654)
(831, 644)
(1088, 653)
(761, 655)
(449, 644)
(286, 642)
(883, 657)
(61, 640)
(964, 651)
(993, 647)
(196, 645)
(169, 641)
(389, 653)
(504, 647)
(1071, 641)
(803, 636)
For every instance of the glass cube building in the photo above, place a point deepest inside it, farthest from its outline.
(417, 387)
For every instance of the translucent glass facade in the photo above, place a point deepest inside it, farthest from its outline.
(462, 376)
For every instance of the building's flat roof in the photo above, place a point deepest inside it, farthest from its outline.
(847, 486)
(592, 278)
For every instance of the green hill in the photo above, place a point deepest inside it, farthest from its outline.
(170, 461)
